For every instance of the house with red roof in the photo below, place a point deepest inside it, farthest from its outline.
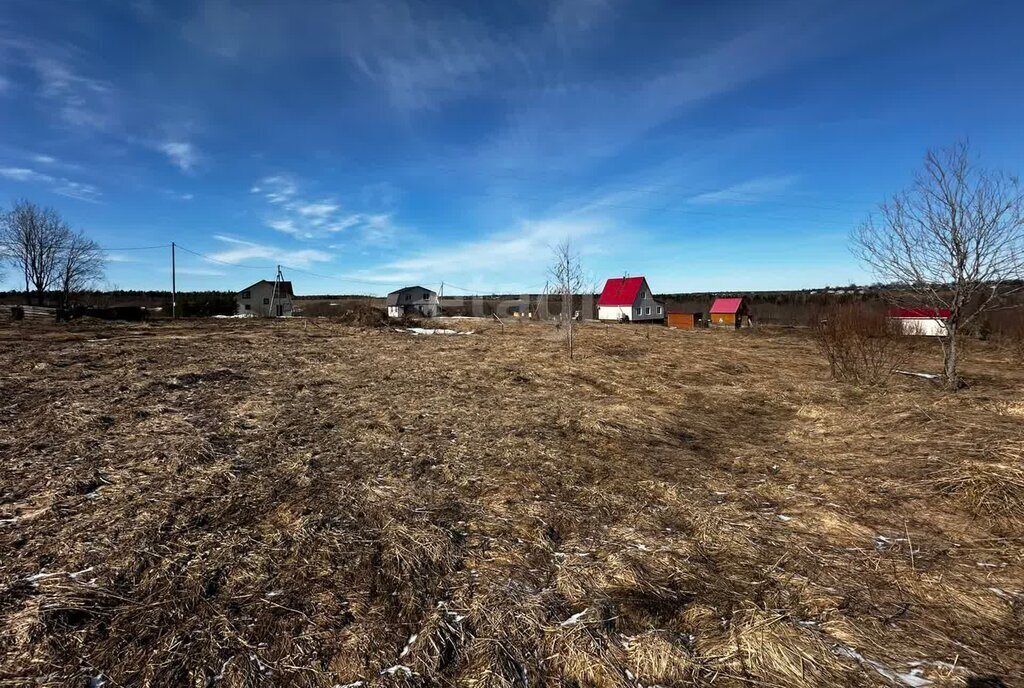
(629, 298)
(928, 322)
(730, 312)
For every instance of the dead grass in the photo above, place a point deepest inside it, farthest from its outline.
(993, 487)
(281, 503)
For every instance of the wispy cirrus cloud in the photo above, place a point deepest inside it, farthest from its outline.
(750, 191)
(59, 185)
(240, 251)
(419, 56)
(81, 101)
(508, 260)
(200, 272)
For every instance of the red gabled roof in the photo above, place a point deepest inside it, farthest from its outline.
(620, 291)
(726, 305)
(918, 313)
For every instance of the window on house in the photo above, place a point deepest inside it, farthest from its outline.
(643, 294)
(266, 302)
(408, 297)
(426, 296)
(659, 310)
(248, 307)
(647, 311)
(639, 311)
(245, 294)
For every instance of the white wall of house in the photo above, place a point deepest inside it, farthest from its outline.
(644, 308)
(927, 327)
(257, 301)
(615, 313)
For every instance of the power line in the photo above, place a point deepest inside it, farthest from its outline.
(342, 279)
(224, 262)
(134, 248)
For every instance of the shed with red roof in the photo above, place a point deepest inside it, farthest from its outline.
(730, 312)
(928, 322)
(629, 299)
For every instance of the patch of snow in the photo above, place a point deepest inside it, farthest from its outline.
(784, 518)
(397, 670)
(430, 330)
(912, 679)
(354, 684)
(236, 315)
(8, 521)
(408, 645)
(575, 618)
(33, 579)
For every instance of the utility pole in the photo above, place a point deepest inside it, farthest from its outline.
(439, 299)
(277, 285)
(174, 286)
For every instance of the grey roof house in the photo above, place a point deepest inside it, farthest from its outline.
(415, 301)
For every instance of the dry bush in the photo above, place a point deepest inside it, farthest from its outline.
(346, 313)
(1007, 328)
(861, 345)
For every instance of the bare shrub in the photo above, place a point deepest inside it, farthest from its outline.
(861, 345)
(357, 314)
(1007, 329)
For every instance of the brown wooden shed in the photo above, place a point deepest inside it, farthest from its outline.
(729, 312)
(683, 320)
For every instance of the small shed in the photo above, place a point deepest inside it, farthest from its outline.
(683, 320)
(730, 312)
(927, 322)
(415, 301)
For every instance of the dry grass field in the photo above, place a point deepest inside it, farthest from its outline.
(252, 503)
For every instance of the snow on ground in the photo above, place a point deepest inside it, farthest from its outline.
(429, 330)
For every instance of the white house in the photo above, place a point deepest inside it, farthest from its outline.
(629, 298)
(929, 322)
(262, 298)
(415, 301)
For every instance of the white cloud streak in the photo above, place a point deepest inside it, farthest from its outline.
(241, 251)
(58, 185)
(750, 191)
(501, 261)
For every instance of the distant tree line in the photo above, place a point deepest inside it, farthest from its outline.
(47, 253)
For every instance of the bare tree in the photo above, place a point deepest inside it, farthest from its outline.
(566, 279)
(954, 240)
(79, 267)
(34, 239)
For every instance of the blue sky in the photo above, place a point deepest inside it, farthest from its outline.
(376, 143)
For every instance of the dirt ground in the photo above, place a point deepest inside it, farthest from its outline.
(302, 503)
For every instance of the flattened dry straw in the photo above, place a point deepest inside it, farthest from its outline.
(262, 503)
(994, 487)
